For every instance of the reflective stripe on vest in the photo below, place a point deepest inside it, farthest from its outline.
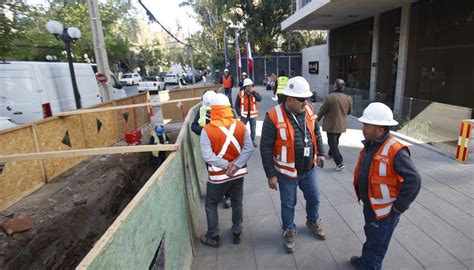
(283, 151)
(244, 105)
(218, 175)
(202, 116)
(384, 182)
(282, 82)
(227, 81)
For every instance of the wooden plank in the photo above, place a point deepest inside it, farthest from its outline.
(89, 152)
(38, 149)
(108, 108)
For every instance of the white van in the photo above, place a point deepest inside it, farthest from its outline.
(31, 91)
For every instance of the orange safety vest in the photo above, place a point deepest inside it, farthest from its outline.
(227, 81)
(284, 148)
(226, 143)
(384, 183)
(244, 105)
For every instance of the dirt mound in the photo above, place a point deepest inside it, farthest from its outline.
(72, 212)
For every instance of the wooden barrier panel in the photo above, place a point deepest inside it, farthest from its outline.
(173, 113)
(100, 128)
(20, 178)
(141, 113)
(125, 118)
(185, 93)
(61, 134)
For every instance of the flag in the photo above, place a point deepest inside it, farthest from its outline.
(249, 58)
(226, 56)
(237, 54)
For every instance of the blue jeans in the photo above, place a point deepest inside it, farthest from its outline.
(253, 126)
(214, 194)
(308, 184)
(378, 234)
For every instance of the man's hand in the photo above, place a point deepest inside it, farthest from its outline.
(232, 169)
(321, 161)
(273, 182)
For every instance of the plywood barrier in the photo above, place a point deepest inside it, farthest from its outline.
(66, 132)
(163, 213)
(186, 92)
(175, 110)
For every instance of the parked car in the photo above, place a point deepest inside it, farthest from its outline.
(171, 78)
(152, 84)
(197, 76)
(130, 79)
(6, 122)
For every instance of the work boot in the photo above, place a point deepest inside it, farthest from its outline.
(213, 241)
(255, 144)
(290, 240)
(236, 239)
(355, 261)
(316, 229)
(226, 202)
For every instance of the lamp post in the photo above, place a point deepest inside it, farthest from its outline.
(69, 36)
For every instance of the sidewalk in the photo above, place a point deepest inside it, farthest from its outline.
(435, 233)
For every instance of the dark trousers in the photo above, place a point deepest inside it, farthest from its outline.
(253, 126)
(333, 142)
(378, 234)
(228, 93)
(214, 195)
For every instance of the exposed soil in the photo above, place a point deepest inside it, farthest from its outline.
(72, 212)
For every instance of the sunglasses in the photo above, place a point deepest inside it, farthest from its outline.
(300, 99)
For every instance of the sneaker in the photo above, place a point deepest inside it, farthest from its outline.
(316, 229)
(355, 261)
(226, 202)
(340, 167)
(255, 145)
(213, 241)
(290, 240)
(236, 239)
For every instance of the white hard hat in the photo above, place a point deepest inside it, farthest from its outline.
(207, 99)
(378, 114)
(220, 99)
(226, 70)
(247, 82)
(297, 87)
(244, 74)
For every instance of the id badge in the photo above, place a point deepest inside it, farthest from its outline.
(306, 151)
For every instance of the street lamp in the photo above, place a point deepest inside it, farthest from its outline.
(68, 35)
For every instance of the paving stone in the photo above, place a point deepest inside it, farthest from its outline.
(436, 205)
(228, 247)
(352, 215)
(469, 263)
(392, 259)
(455, 198)
(314, 255)
(422, 247)
(337, 195)
(451, 266)
(266, 231)
(274, 257)
(259, 204)
(204, 263)
(464, 224)
(239, 261)
(343, 248)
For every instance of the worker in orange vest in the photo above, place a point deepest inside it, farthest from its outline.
(227, 82)
(386, 181)
(246, 105)
(226, 147)
(291, 146)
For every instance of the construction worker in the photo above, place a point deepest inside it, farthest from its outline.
(226, 147)
(158, 136)
(280, 86)
(246, 105)
(227, 82)
(290, 147)
(204, 116)
(241, 83)
(386, 181)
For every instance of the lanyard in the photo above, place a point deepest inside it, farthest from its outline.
(304, 130)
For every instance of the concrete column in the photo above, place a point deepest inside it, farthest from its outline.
(402, 60)
(375, 57)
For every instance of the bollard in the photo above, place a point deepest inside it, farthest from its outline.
(465, 136)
